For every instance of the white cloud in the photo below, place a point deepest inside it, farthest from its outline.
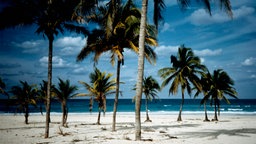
(166, 50)
(80, 70)
(208, 52)
(200, 17)
(69, 51)
(253, 76)
(249, 61)
(70, 45)
(57, 62)
(70, 42)
(166, 27)
(243, 11)
(31, 46)
(202, 60)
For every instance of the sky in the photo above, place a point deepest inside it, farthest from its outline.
(220, 42)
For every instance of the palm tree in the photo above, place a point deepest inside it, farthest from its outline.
(124, 34)
(25, 96)
(51, 17)
(3, 92)
(63, 92)
(99, 87)
(206, 85)
(150, 89)
(220, 85)
(2, 88)
(158, 6)
(42, 97)
(183, 72)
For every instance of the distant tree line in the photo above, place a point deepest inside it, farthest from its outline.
(186, 73)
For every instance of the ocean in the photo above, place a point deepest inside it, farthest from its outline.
(159, 106)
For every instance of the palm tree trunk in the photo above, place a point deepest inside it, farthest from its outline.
(205, 113)
(146, 106)
(140, 70)
(215, 112)
(64, 113)
(26, 114)
(117, 94)
(49, 83)
(98, 121)
(181, 106)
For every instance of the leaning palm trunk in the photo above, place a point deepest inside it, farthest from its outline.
(117, 94)
(181, 106)
(147, 116)
(140, 70)
(48, 98)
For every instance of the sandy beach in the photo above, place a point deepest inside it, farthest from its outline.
(163, 129)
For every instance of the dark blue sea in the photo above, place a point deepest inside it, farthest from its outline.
(161, 106)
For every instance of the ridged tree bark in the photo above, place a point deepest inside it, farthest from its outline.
(181, 107)
(117, 94)
(140, 70)
(49, 83)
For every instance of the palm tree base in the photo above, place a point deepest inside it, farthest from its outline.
(215, 119)
(206, 120)
(148, 120)
(179, 119)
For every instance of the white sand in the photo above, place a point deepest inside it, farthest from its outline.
(81, 129)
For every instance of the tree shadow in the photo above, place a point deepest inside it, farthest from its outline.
(215, 133)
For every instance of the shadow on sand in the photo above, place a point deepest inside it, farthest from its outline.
(215, 133)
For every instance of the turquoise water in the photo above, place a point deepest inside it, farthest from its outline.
(161, 106)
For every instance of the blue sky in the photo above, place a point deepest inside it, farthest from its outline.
(220, 42)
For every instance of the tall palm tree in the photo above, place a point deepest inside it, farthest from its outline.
(64, 91)
(220, 85)
(183, 72)
(51, 18)
(25, 96)
(99, 87)
(124, 34)
(158, 6)
(150, 88)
